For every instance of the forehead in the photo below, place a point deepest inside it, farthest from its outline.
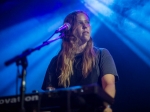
(82, 16)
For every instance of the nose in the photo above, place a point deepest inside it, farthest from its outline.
(84, 26)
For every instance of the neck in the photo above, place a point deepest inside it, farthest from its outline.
(81, 48)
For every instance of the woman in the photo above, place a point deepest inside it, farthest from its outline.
(78, 62)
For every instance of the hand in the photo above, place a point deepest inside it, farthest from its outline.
(107, 109)
(50, 88)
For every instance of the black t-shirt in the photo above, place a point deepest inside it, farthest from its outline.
(104, 65)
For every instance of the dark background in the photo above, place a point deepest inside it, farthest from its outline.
(25, 24)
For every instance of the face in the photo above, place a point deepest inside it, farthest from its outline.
(83, 28)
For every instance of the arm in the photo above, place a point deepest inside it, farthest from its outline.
(108, 84)
(50, 81)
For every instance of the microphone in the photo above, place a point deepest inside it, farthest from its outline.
(65, 26)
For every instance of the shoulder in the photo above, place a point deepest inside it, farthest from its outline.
(103, 51)
(53, 60)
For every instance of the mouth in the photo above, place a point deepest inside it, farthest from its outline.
(85, 32)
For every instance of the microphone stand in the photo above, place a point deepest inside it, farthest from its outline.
(22, 60)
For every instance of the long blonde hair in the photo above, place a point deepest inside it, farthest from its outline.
(68, 51)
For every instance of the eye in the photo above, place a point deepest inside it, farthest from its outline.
(87, 22)
(80, 22)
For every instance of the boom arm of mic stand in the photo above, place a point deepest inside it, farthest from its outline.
(22, 60)
(29, 51)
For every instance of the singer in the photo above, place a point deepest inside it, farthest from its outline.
(79, 62)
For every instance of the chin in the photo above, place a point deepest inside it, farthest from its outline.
(85, 40)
